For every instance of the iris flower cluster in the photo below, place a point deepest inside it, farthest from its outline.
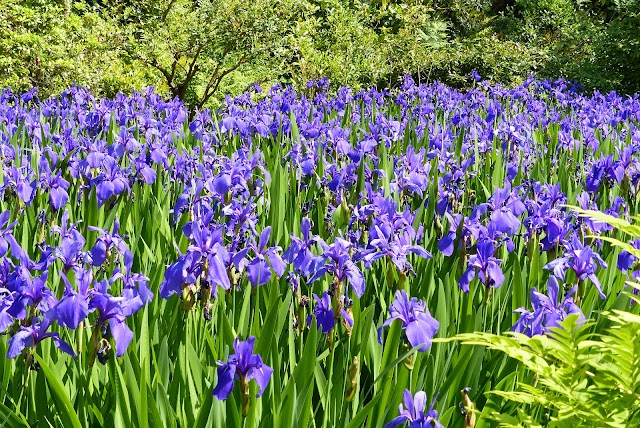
(548, 310)
(383, 202)
(100, 289)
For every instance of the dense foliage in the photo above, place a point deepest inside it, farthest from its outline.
(200, 50)
(288, 260)
(579, 378)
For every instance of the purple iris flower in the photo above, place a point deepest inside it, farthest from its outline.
(258, 270)
(112, 312)
(214, 257)
(6, 295)
(241, 217)
(485, 266)
(145, 172)
(244, 365)
(416, 412)
(417, 322)
(70, 254)
(582, 260)
(323, 312)
(556, 230)
(15, 181)
(627, 261)
(325, 317)
(73, 307)
(66, 230)
(184, 271)
(6, 300)
(105, 242)
(597, 173)
(397, 248)
(111, 182)
(5, 229)
(135, 285)
(505, 208)
(337, 261)
(585, 203)
(299, 252)
(471, 230)
(548, 311)
(221, 184)
(58, 186)
(28, 291)
(31, 336)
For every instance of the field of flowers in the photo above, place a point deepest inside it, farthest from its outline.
(299, 260)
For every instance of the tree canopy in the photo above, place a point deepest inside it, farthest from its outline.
(198, 50)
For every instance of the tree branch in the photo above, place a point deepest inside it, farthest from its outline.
(154, 63)
(213, 76)
(211, 88)
(193, 68)
(167, 10)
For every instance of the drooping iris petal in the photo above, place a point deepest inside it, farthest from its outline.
(4, 246)
(466, 279)
(222, 184)
(626, 260)
(71, 310)
(218, 272)
(417, 322)
(104, 190)
(58, 197)
(22, 339)
(122, 334)
(258, 272)
(99, 253)
(224, 387)
(278, 265)
(62, 345)
(244, 366)
(419, 334)
(262, 375)
(505, 222)
(445, 245)
(495, 273)
(323, 312)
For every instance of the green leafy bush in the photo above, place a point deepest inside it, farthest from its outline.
(51, 45)
(579, 378)
(580, 374)
(198, 50)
